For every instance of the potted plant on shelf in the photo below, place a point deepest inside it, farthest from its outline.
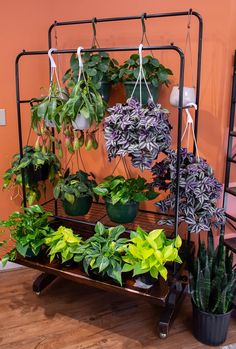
(122, 196)
(147, 253)
(198, 192)
(102, 253)
(28, 230)
(99, 67)
(62, 244)
(76, 192)
(213, 289)
(141, 133)
(38, 164)
(156, 74)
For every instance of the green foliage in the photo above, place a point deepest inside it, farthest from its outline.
(63, 243)
(213, 277)
(97, 66)
(149, 252)
(119, 189)
(72, 186)
(86, 101)
(31, 161)
(102, 253)
(27, 229)
(48, 108)
(154, 71)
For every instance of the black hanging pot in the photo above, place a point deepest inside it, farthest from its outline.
(129, 87)
(105, 90)
(210, 329)
(80, 207)
(122, 213)
(38, 174)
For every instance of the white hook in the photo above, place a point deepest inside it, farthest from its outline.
(191, 104)
(140, 48)
(53, 64)
(79, 56)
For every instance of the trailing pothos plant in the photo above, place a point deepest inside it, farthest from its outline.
(102, 253)
(28, 230)
(213, 277)
(99, 67)
(141, 133)
(32, 160)
(149, 252)
(118, 189)
(62, 243)
(199, 191)
(72, 186)
(154, 71)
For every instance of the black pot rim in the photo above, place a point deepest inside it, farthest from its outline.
(126, 204)
(142, 83)
(211, 314)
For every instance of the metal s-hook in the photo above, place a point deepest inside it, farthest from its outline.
(94, 41)
(143, 17)
(190, 12)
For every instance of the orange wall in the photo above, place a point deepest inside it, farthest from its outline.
(24, 24)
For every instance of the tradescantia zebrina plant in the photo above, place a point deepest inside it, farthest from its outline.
(141, 133)
(199, 191)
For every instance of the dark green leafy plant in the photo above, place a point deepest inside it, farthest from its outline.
(102, 253)
(149, 252)
(213, 277)
(32, 161)
(99, 67)
(154, 71)
(62, 243)
(73, 186)
(119, 189)
(28, 230)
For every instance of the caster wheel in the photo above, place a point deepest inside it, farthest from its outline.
(163, 335)
(38, 293)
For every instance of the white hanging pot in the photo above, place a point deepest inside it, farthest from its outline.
(80, 122)
(189, 96)
(49, 123)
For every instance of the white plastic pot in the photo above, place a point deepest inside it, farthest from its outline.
(189, 96)
(49, 123)
(80, 122)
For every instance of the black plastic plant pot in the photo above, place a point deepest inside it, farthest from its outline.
(80, 207)
(30, 254)
(120, 213)
(105, 90)
(148, 279)
(37, 175)
(210, 329)
(129, 86)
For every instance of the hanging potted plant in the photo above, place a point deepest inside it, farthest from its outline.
(28, 230)
(122, 196)
(76, 192)
(141, 133)
(213, 289)
(199, 191)
(98, 67)
(38, 164)
(156, 74)
(147, 253)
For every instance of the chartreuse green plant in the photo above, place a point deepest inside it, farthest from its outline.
(102, 253)
(62, 243)
(213, 277)
(121, 190)
(149, 252)
(28, 230)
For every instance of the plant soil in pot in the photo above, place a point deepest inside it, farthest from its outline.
(80, 206)
(129, 87)
(122, 213)
(210, 329)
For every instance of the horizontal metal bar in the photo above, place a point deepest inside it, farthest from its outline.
(231, 191)
(24, 101)
(230, 217)
(231, 160)
(233, 133)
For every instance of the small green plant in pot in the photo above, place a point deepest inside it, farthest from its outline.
(99, 67)
(28, 230)
(122, 196)
(38, 165)
(76, 192)
(102, 253)
(156, 74)
(62, 244)
(213, 289)
(147, 254)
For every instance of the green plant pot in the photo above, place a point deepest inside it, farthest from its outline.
(80, 207)
(105, 90)
(129, 86)
(122, 213)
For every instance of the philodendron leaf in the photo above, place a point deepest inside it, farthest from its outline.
(178, 242)
(42, 109)
(4, 260)
(104, 264)
(70, 198)
(99, 228)
(21, 249)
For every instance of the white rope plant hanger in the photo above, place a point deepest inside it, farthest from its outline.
(190, 127)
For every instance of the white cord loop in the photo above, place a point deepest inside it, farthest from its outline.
(190, 127)
(53, 71)
(81, 65)
(140, 76)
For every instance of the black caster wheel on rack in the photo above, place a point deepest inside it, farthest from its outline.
(162, 335)
(42, 281)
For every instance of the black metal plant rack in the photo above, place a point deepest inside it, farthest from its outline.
(176, 289)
